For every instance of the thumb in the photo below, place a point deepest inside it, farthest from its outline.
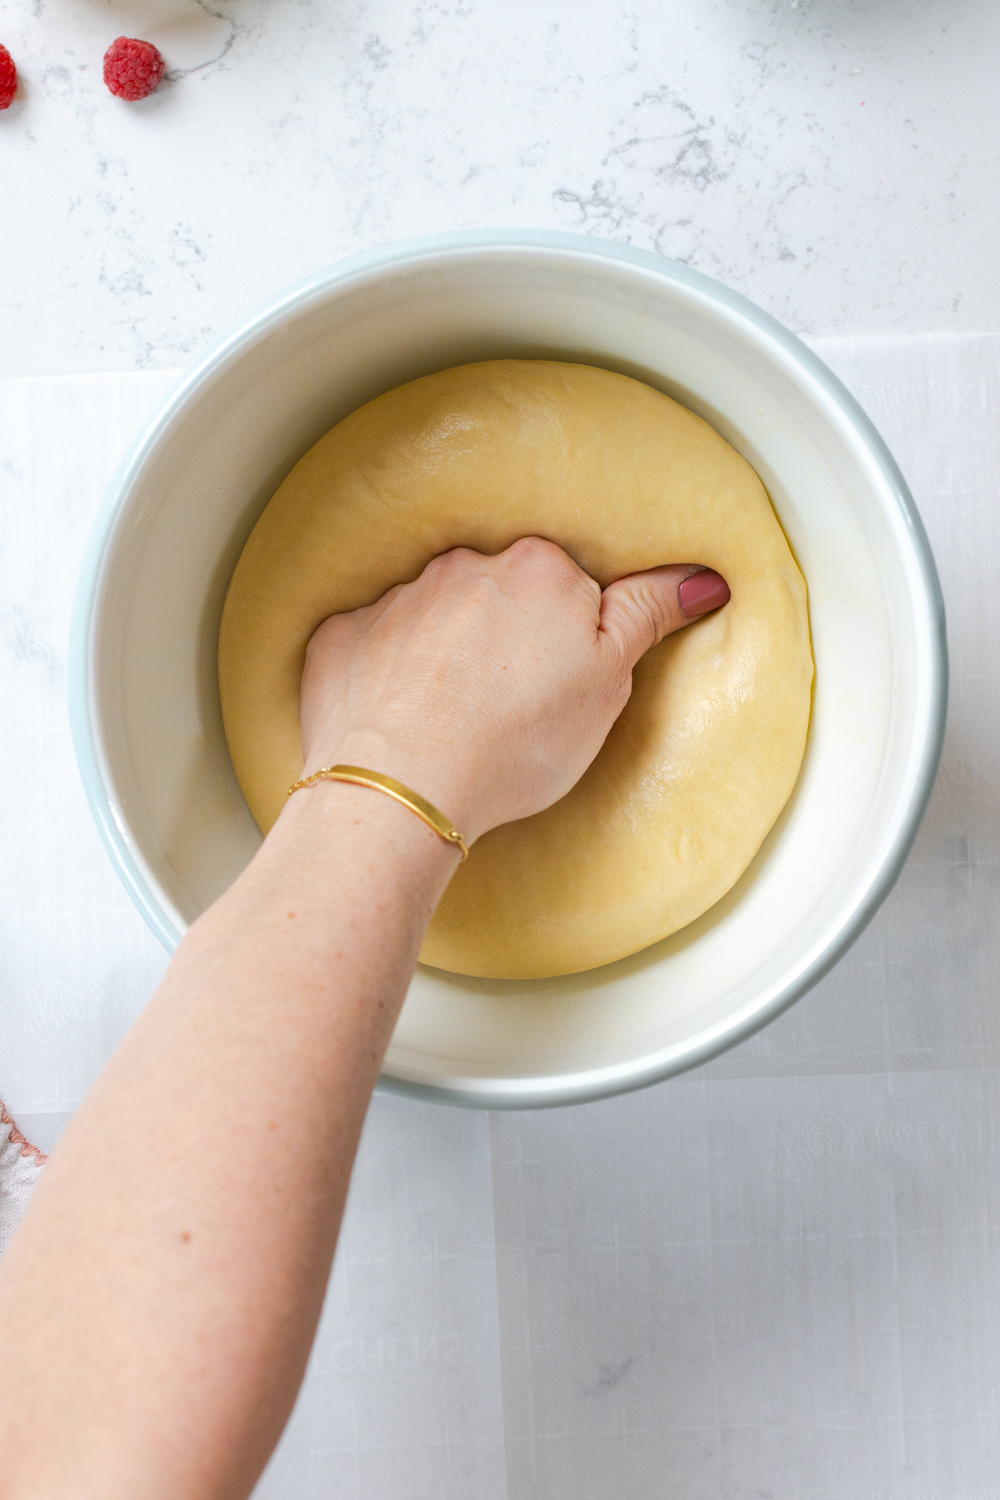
(638, 611)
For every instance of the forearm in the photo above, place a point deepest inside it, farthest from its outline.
(179, 1244)
(158, 1304)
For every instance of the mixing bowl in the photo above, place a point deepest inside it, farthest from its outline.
(144, 690)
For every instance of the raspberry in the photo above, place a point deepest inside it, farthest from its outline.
(132, 69)
(8, 78)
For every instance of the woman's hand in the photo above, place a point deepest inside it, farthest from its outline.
(490, 683)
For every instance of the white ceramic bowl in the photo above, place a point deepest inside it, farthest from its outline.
(144, 693)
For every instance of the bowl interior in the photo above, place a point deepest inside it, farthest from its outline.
(189, 499)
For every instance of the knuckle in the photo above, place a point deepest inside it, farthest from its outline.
(319, 638)
(444, 560)
(645, 611)
(550, 562)
(540, 549)
(454, 567)
(530, 549)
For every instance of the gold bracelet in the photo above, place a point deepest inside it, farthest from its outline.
(392, 788)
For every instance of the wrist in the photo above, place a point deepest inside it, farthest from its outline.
(431, 773)
(327, 819)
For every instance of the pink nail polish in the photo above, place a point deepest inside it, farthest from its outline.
(701, 593)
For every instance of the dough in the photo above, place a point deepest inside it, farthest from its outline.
(704, 757)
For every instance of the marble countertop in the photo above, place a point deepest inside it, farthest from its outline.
(778, 1275)
(835, 160)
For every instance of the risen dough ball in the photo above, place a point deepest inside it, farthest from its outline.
(705, 755)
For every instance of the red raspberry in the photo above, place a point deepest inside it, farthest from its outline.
(8, 78)
(132, 69)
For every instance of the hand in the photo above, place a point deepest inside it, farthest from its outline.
(490, 683)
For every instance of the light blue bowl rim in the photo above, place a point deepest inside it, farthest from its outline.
(528, 1092)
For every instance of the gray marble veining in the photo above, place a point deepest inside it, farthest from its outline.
(830, 158)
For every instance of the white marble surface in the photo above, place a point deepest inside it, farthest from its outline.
(834, 159)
